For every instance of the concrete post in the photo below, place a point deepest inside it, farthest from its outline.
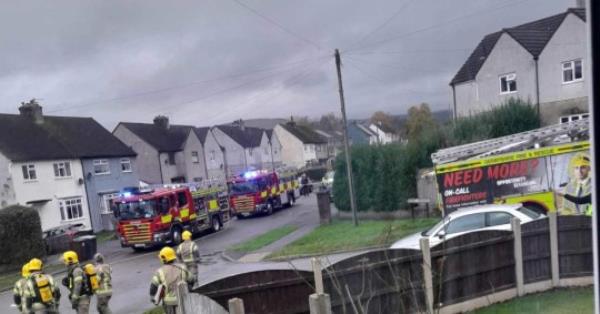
(236, 306)
(182, 292)
(554, 266)
(518, 246)
(318, 273)
(319, 304)
(427, 274)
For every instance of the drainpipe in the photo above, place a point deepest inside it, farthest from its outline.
(87, 196)
(537, 90)
(272, 160)
(162, 180)
(454, 101)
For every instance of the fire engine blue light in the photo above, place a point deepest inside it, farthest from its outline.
(249, 174)
(126, 194)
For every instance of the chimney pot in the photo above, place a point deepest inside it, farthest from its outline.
(162, 122)
(32, 110)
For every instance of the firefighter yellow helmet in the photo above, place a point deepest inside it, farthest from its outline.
(186, 235)
(70, 257)
(580, 160)
(167, 255)
(25, 270)
(35, 264)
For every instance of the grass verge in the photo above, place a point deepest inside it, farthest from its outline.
(156, 310)
(8, 280)
(264, 239)
(576, 300)
(106, 235)
(341, 236)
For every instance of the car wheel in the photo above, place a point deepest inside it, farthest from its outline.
(176, 235)
(216, 224)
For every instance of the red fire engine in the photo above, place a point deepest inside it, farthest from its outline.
(262, 191)
(157, 216)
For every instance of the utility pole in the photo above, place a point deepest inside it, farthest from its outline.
(346, 144)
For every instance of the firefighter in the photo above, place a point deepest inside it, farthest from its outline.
(578, 192)
(77, 283)
(41, 294)
(187, 253)
(104, 291)
(19, 289)
(163, 288)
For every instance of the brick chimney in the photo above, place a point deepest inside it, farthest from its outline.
(162, 122)
(240, 124)
(32, 110)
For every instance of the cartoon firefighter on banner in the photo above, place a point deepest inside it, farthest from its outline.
(576, 195)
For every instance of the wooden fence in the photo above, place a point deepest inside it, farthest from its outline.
(465, 272)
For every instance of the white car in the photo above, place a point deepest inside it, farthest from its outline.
(470, 219)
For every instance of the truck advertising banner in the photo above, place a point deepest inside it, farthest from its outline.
(562, 173)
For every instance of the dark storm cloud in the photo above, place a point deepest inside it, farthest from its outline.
(208, 62)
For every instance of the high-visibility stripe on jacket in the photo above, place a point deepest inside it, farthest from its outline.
(170, 276)
(187, 252)
(104, 272)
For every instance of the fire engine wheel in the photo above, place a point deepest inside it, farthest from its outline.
(176, 235)
(215, 224)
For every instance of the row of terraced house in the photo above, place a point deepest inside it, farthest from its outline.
(69, 168)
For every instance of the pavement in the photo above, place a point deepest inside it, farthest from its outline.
(132, 271)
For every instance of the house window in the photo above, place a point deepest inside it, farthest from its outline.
(195, 158)
(29, 172)
(508, 83)
(70, 209)
(62, 169)
(101, 166)
(106, 202)
(318, 148)
(212, 155)
(171, 159)
(572, 71)
(125, 165)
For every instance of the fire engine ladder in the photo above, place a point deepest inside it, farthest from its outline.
(510, 142)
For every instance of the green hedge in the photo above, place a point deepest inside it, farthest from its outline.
(385, 176)
(20, 235)
(378, 183)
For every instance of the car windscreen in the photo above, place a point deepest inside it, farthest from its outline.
(430, 231)
(244, 187)
(528, 212)
(137, 209)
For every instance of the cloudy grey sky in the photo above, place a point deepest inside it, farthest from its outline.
(213, 61)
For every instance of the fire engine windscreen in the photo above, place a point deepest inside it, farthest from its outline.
(244, 187)
(137, 209)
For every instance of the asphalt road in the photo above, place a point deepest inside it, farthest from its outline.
(132, 271)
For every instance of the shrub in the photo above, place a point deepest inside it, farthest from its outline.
(20, 235)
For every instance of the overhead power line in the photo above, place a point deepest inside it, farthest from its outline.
(228, 89)
(434, 26)
(186, 85)
(382, 25)
(272, 21)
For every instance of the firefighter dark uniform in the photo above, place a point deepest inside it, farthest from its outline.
(19, 289)
(41, 293)
(187, 252)
(166, 279)
(76, 281)
(104, 292)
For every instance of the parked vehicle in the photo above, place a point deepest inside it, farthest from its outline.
(541, 169)
(59, 239)
(470, 219)
(262, 191)
(158, 216)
